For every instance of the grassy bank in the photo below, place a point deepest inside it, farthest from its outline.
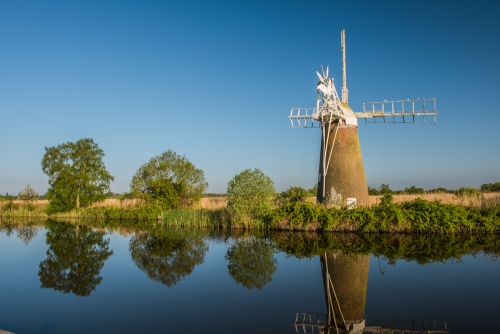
(458, 214)
(417, 216)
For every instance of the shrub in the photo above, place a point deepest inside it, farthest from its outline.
(249, 197)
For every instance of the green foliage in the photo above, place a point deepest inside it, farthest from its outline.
(249, 197)
(373, 191)
(418, 216)
(28, 195)
(414, 191)
(252, 262)
(77, 175)
(292, 195)
(490, 187)
(295, 216)
(438, 190)
(313, 192)
(197, 218)
(386, 193)
(468, 192)
(170, 181)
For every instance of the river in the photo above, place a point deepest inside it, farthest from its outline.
(58, 277)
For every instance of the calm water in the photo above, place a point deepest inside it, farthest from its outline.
(59, 278)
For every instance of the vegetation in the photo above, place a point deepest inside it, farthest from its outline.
(28, 195)
(418, 216)
(250, 197)
(77, 175)
(490, 187)
(169, 181)
(292, 195)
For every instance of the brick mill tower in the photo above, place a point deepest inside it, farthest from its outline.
(341, 177)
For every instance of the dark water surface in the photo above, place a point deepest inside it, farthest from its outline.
(63, 278)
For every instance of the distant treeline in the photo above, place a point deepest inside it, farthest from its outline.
(413, 190)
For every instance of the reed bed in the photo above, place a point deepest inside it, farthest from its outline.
(426, 213)
(205, 218)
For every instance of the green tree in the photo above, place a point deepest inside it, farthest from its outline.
(252, 262)
(414, 190)
(169, 180)
(373, 191)
(292, 195)
(77, 175)
(490, 187)
(386, 193)
(250, 196)
(28, 195)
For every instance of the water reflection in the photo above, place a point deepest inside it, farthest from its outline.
(345, 282)
(325, 272)
(27, 233)
(168, 256)
(345, 279)
(75, 258)
(252, 262)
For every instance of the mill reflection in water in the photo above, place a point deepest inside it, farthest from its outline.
(345, 279)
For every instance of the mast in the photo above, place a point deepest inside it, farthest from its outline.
(345, 98)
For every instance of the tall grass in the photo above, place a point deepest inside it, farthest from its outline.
(459, 213)
(204, 218)
(417, 216)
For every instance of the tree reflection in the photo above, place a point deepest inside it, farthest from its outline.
(251, 262)
(168, 257)
(27, 233)
(75, 258)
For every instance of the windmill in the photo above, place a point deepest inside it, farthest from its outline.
(341, 177)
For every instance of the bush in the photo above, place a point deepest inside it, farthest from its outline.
(292, 195)
(170, 181)
(250, 197)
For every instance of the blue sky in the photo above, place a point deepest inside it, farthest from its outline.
(215, 81)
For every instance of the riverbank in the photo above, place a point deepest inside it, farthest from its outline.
(445, 213)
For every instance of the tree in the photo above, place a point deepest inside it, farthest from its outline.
(28, 195)
(490, 187)
(77, 175)
(169, 180)
(252, 262)
(414, 190)
(373, 191)
(386, 193)
(292, 195)
(249, 196)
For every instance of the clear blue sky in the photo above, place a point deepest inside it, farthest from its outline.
(215, 81)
